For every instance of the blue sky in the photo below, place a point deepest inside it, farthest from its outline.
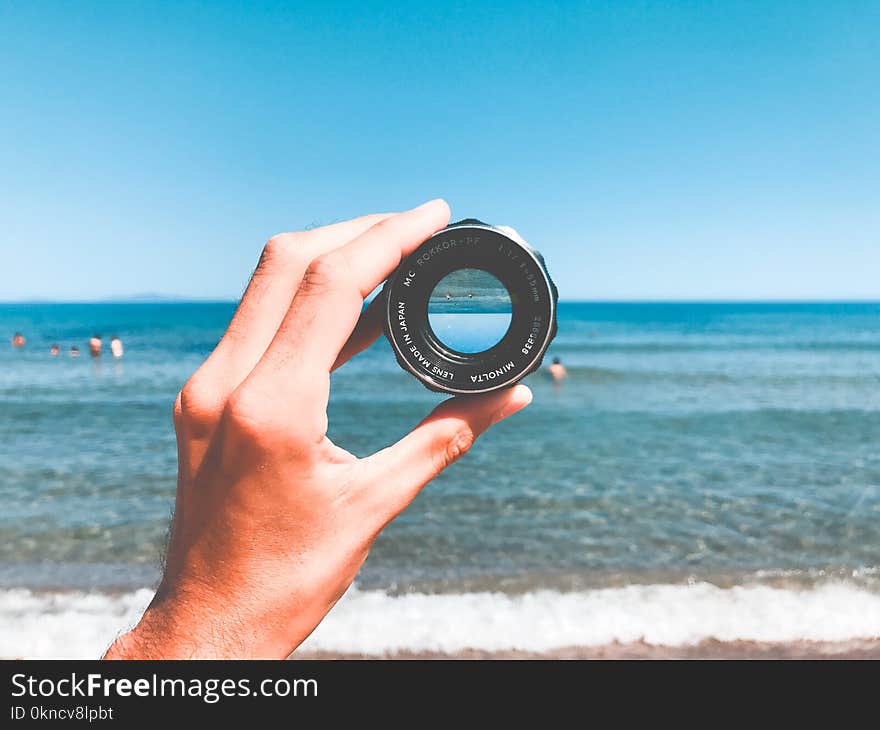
(652, 150)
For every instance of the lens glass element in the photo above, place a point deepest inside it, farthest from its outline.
(469, 310)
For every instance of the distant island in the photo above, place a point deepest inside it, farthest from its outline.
(146, 298)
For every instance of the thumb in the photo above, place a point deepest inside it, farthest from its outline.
(400, 471)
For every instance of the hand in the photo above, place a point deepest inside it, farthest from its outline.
(272, 520)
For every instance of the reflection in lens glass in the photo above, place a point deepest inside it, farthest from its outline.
(469, 310)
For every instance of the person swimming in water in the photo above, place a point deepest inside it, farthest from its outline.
(557, 370)
(74, 351)
(54, 350)
(18, 340)
(116, 347)
(95, 345)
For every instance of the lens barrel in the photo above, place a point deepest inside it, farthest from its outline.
(452, 272)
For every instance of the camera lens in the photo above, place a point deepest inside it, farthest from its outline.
(471, 310)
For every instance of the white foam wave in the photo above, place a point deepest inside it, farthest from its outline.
(65, 625)
(72, 625)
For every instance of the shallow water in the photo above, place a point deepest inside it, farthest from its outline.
(737, 444)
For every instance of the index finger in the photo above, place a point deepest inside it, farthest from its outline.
(373, 255)
(327, 305)
(268, 297)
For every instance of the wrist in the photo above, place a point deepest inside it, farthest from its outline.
(180, 626)
(130, 645)
(177, 628)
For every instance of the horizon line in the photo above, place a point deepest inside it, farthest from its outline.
(649, 300)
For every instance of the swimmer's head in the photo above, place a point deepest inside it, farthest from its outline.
(556, 361)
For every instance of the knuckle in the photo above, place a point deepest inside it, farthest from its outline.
(283, 248)
(457, 445)
(386, 225)
(242, 408)
(245, 419)
(198, 404)
(256, 424)
(282, 244)
(327, 271)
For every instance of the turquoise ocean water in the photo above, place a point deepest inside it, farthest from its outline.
(724, 453)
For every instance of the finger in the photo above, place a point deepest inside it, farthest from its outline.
(397, 474)
(267, 299)
(373, 255)
(367, 329)
(328, 304)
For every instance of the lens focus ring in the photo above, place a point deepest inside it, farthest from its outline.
(464, 288)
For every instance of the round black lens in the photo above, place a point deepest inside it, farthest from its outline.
(471, 310)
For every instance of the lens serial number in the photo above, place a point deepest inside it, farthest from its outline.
(532, 339)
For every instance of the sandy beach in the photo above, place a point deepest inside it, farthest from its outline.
(856, 649)
(860, 649)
